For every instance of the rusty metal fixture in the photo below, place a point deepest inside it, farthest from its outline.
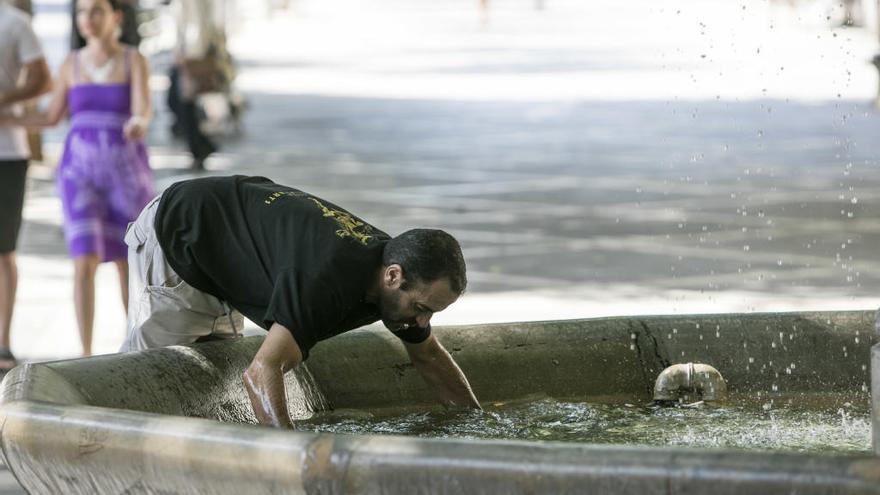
(690, 382)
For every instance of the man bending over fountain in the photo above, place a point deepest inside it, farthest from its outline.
(210, 250)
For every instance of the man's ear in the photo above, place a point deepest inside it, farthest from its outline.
(393, 276)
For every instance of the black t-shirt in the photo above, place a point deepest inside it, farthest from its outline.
(274, 253)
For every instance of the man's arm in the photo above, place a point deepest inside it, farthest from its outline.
(442, 373)
(264, 378)
(37, 81)
(57, 105)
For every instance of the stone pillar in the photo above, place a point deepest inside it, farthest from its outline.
(875, 386)
(876, 62)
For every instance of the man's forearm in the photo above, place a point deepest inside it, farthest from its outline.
(442, 373)
(37, 81)
(265, 389)
(19, 94)
(31, 121)
(264, 378)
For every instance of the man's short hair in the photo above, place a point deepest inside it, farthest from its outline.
(427, 255)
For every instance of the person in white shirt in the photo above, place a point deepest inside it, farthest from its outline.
(23, 75)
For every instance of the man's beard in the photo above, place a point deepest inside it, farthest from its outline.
(389, 310)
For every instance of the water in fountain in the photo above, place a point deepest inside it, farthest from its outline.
(814, 423)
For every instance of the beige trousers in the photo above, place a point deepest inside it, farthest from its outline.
(164, 310)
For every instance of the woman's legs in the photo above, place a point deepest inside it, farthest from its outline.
(84, 298)
(85, 268)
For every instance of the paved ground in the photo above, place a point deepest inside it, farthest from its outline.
(594, 160)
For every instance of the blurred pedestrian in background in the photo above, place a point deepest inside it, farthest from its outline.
(202, 65)
(23, 75)
(852, 13)
(104, 178)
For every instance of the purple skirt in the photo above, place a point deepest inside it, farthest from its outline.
(104, 181)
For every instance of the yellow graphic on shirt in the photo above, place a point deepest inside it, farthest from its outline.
(350, 226)
(278, 194)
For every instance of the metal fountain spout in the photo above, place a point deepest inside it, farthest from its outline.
(690, 382)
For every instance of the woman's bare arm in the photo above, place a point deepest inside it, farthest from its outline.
(141, 104)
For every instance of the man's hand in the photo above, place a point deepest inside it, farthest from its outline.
(264, 378)
(442, 373)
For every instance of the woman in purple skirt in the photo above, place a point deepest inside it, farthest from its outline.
(104, 177)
